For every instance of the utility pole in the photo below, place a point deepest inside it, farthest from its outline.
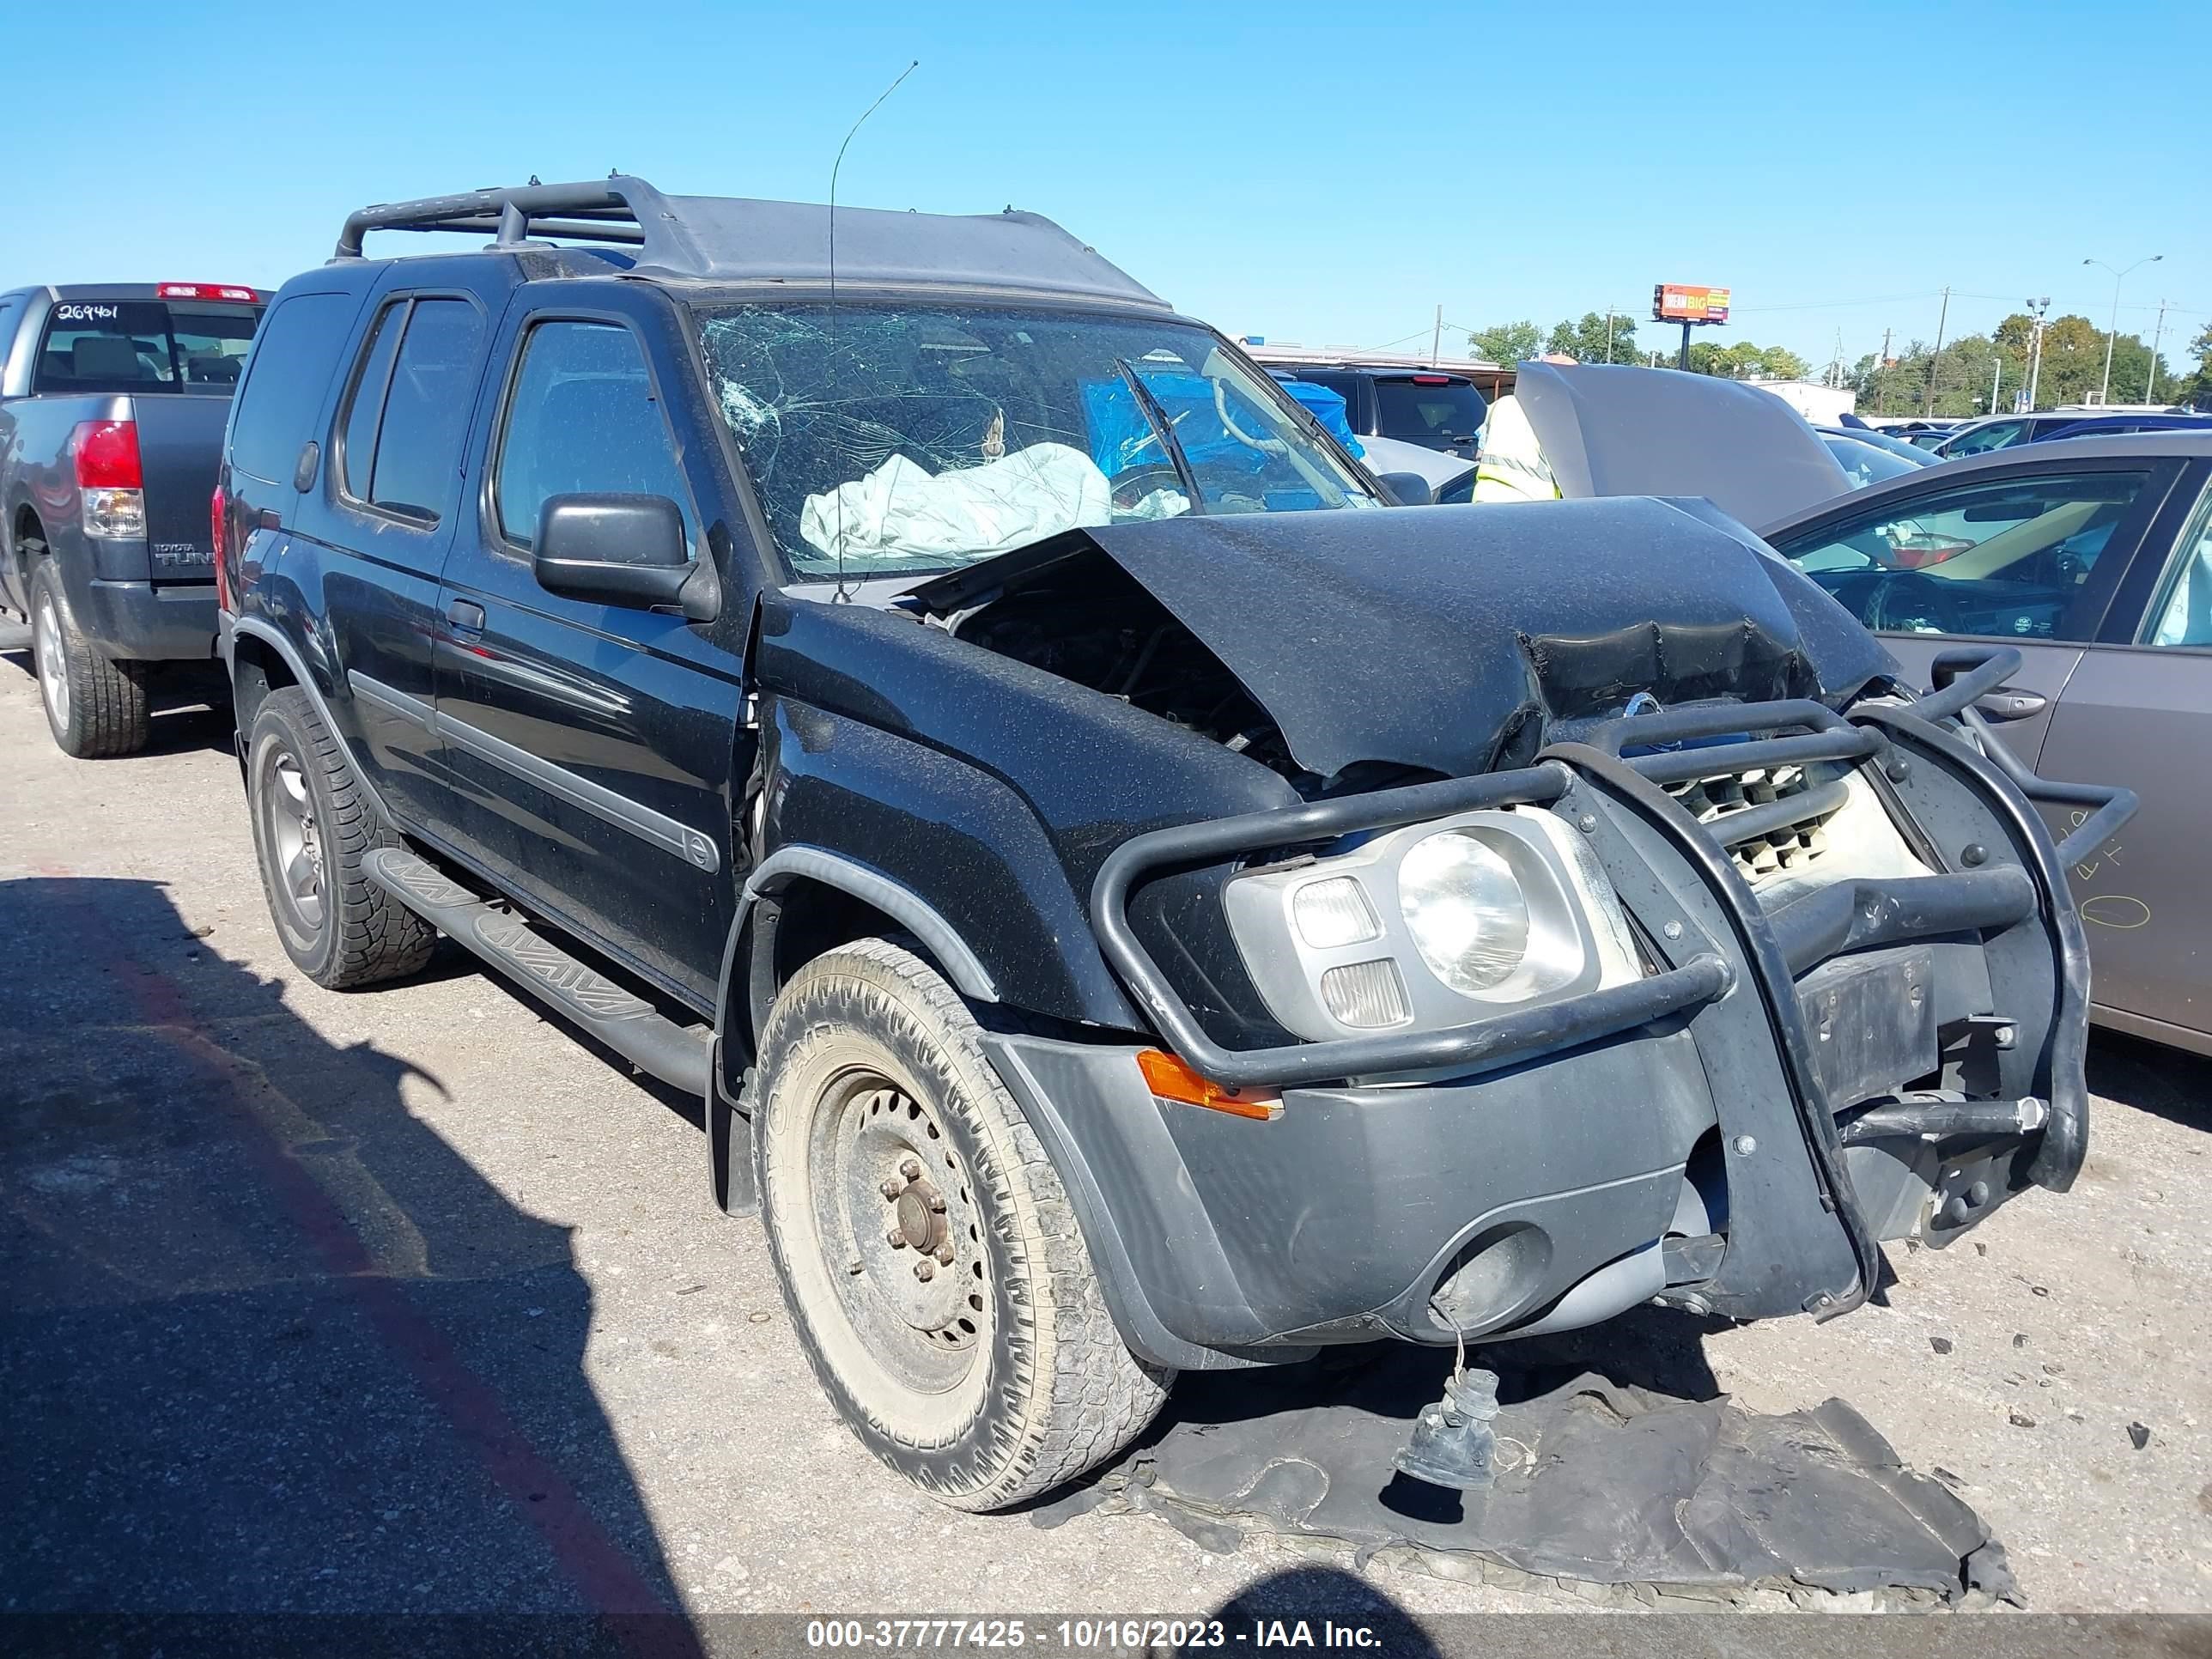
(1437, 336)
(2150, 387)
(1881, 377)
(2035, 349)
(1941, 318)
(1608, 334)
(1996, 380)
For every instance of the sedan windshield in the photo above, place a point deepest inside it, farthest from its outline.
(889, 439)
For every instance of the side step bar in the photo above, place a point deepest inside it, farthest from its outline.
(625, 1022)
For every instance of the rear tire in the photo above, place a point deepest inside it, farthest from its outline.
(311, 824)
(95, 706)
(1000, 1374)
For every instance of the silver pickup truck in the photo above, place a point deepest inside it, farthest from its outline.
(112, 402)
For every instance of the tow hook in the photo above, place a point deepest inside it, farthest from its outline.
(1453, 1444)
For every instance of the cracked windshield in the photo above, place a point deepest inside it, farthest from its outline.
(893, 440)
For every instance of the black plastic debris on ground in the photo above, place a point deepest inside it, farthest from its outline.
(1613, 1491)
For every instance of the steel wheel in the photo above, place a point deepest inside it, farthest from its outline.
(896, 1216)
(288, 818)
(53, 664)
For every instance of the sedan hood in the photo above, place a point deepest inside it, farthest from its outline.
(1451, 639)
(1623, 431)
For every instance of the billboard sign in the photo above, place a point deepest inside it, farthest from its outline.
(1685, 303)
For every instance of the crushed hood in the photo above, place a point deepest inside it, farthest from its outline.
(1452, 638)
(1633, 431)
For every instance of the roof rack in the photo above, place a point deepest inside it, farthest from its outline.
(733, 240)
(611, 209)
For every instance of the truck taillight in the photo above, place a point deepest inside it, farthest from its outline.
(236, 292)
(218, 511)
(110, 482)
(107, 455)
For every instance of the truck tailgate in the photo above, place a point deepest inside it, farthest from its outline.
(179, 439)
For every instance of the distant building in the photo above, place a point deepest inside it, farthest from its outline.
(1816, 400)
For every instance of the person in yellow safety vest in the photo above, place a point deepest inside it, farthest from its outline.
(1510, 465)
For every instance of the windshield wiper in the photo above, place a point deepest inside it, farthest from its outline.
(1164, 430)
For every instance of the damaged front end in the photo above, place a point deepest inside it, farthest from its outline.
(1632, 935)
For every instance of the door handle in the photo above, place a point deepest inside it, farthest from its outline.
(466, 616)
(2011, 705)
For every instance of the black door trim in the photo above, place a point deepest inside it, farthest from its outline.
(658, 829)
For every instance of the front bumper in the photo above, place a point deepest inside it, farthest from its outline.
(1677, 1135)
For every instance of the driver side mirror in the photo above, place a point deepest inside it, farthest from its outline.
(1407, 489)
(622, 550)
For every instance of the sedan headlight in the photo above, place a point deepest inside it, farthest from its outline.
(1430, 926)
(1466, 912)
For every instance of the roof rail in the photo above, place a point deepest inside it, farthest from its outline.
(733, 240)
(616, 208)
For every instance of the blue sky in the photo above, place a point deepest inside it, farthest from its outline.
(1322, 174)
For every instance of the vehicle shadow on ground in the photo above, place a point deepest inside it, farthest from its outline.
(268, 1344)
(2151, 1078)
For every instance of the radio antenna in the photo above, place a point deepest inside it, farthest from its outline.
(829, 325)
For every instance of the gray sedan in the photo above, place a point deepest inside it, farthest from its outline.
(2094, 556)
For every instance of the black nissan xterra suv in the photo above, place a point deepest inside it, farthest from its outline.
(112, 401)
(1128, 901)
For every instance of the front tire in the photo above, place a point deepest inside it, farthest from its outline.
(312, 822)
(927, 1251)
(95, 706)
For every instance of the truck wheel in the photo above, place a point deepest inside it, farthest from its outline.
(927, 1251)
(312, 822)
(95, 706)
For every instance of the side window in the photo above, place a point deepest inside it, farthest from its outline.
(1995, 436)
(2182, 613)
(2008, 557)
(583, 417)
(286, 372)
(416, 460)
(365, 401)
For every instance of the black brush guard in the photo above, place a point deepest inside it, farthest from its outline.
(1855, 914)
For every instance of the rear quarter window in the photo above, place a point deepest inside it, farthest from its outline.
(287, 376)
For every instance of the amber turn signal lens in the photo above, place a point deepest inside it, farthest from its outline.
(1170, 1080)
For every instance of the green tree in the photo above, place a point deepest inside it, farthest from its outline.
(1506, 342)
(1744, 361)
(2194, 388)
(1590, 341)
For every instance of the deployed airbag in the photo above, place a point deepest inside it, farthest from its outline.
(902, 510)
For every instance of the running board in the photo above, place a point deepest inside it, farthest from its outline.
(626, 1023)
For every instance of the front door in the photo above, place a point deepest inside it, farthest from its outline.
(2139, 714)
(593, 741)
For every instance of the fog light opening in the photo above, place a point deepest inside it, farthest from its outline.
(1492, 1276)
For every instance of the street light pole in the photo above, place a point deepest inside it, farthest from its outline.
(2113, 334)
(2035, 350)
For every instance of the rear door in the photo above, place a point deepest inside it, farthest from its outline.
(593, 741)
(391, 485)
(2138, 711)
(2027, 554)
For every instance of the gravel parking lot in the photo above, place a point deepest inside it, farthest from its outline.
(406, 1300)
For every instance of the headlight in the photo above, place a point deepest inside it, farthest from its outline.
(1429, 926)
(1465, 911)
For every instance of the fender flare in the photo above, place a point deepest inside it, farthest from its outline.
(255, 628)
(871, 886)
